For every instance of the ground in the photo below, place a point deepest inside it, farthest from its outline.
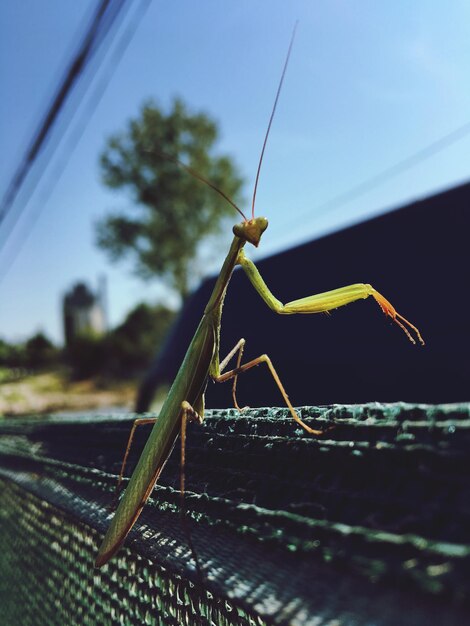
(46, 392)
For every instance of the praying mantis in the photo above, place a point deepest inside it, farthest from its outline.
(185, 400)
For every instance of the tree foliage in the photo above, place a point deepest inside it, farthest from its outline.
(40, 351)
(36, 353)
(173, 212)
(143, 331)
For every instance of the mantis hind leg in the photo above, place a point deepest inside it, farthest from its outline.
(141, 421)
(240, 369)
(188, 413)
(239, 347)
(192, 415)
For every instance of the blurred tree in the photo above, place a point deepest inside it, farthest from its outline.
(40, 351)
(175, 212)
(12, 355)
(36, 352)
(134, 342)
(86, 356)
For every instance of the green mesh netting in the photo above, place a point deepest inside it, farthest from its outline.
(47, 576)
(368, 525)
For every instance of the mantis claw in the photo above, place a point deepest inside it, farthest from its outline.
(389, 311)
(242, 409)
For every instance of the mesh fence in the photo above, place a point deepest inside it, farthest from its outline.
(369, 524)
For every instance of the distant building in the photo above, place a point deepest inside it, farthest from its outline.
(84, 312)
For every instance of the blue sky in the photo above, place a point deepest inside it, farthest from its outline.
(368, 84)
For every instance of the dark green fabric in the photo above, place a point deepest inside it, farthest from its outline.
(369, 524)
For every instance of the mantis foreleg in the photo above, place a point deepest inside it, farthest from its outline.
(327, 301)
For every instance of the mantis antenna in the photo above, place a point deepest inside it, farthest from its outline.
(190, 170)
(271, 119)
(208, 182)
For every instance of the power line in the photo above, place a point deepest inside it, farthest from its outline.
(391, 172)
(77, 132)
(71, 76)
(96, 34)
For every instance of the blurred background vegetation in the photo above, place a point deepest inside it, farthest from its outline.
(171, 217)
(37, 376)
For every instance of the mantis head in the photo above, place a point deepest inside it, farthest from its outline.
(251, 230)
